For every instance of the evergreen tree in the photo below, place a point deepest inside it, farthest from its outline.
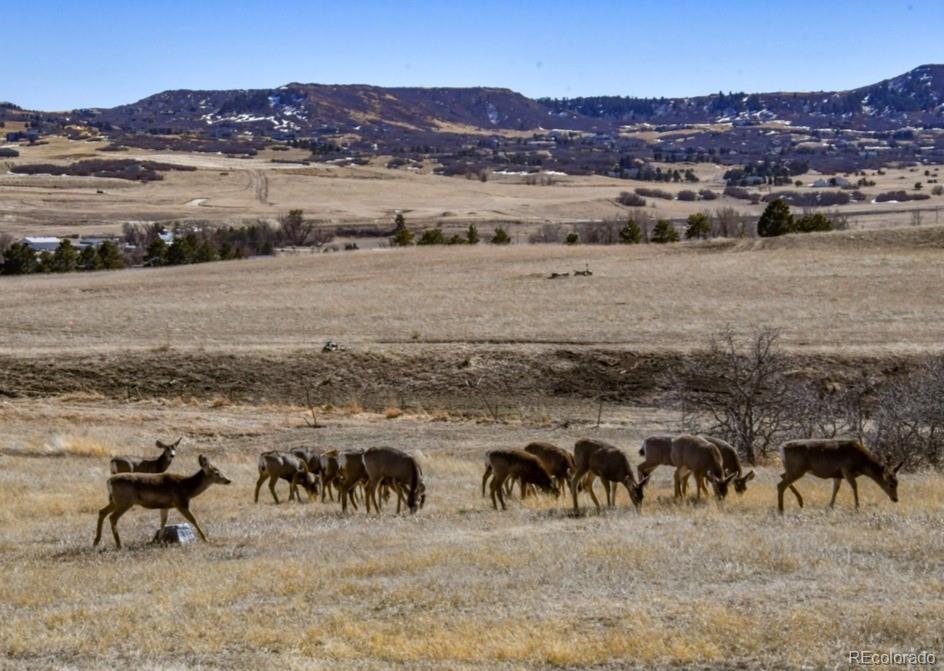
(44, 262)
(183, 250)
(776, 219)
(65, 259)
(432, 236)
(501, 237)
(630, 234)
(18, 259)
(204, 252)
(110, 255)
(472, 235)
(698, 226)
(812, 223)
(402, 237)
(664, 232)
(89, 258)
(156, 253)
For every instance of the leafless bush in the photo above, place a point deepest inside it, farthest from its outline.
(5, 241)
(909, 417)
(296, 229)
(726, 222)
(631, 199)
(599, 232)
(548, 234)
(736, 390)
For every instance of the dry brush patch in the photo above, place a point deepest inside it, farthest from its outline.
(456, 586)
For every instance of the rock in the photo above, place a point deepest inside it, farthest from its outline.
(174, 533)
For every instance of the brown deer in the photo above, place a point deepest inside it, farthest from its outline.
(835, 458)
(144, 465)
(656, 451)
(275, 466)
(697, 455)
(312, 457)
(399, 470)
(351, 473)
(558, 462)
(526, 467)
(732, 464)
(156, 490)
(329, 473)
(598, 459)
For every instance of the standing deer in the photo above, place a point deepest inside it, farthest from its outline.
(329, 473)
(835, 458)
(599, 459)
(275, 466)
(156, 490)
(697, 455)
(732, 464)
(400, 470)
(351, 473)
(558, 462)
(144, 465)
(526, 467)
(656, 451)
(311, 456)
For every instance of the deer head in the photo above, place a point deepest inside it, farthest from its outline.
(888, 480)
(720, 485)
(212, 472)
(740, 483)
(169, 449)
(635, 489)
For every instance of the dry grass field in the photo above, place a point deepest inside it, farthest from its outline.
(224, 189)
(458, 585)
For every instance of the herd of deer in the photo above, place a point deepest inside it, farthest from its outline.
(543, 466)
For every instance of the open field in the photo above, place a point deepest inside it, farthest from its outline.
(230, 190)
(457, 586)
(93, 365)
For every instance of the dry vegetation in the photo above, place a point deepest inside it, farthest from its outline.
(456, 586)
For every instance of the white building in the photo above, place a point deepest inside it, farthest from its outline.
(41, 244)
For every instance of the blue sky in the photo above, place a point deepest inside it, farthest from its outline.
(62, 55)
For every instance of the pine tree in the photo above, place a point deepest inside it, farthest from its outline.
(664, 232)
(156, 254)
(630, 234)
(89, 258)
(776, 219)
(402, 238)
(698, 226)
(65, 259)
(110, 255)
(501, 237)
(19, 259)
(472, 235)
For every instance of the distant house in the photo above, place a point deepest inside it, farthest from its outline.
(824, 182)
(41, 244)
(166, 236)
(20, 135)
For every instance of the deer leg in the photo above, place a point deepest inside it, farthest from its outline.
(497, 482)
(190, 518)
(272, 480)
(787, 481)
(102, 514)
(116, 514)
(575, 487)
(850, 478)
(588, 483)
(369, 495)
(699, 485)
(262, 477)
(836, 483)
(352, 493)
(796, 493)
(163, 518)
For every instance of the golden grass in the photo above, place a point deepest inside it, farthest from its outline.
(457, 585)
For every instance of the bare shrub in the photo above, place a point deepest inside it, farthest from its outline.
(735, 390)
(727, 222)
(599, 232)
(547, 234)
(296, 229)
(631, 199)
(653, 193)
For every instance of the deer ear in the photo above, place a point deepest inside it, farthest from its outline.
(749, 476)
(730, 477)
(204, 462)
(898, 467)
(177, 442)
(160, 444)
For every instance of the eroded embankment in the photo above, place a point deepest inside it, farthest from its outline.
(452, 377)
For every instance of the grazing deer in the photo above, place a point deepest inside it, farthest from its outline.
(598, 459)
(156, 490)
(311, 456)
(275, 466)
(351, 472)
(526, 467)
(399, 470)
(145, 465)
(558, 462)
(697, 455)
(835, 458)
(656, 451)
(731, 462)
(329, 473)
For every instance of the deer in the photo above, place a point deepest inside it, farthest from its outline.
(598, 459)
(156, 490)
(329, 473)
(695, 454)
(656, 451)
(275, 466)
(311, 456)
(558, 462)
(400, 470)
(522, 465)
(836, 458)
(351, 472)
(158, 464)
(731, 463)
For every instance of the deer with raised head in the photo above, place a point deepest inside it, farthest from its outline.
(836, 458)
(162, 491)
(351, 473)
(274, 466)
(400, 471)
(732, 464)
(598, 459)
(527, 468)
(157, 464)
(701, 457)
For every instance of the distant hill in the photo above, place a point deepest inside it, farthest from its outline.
(915, 98)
